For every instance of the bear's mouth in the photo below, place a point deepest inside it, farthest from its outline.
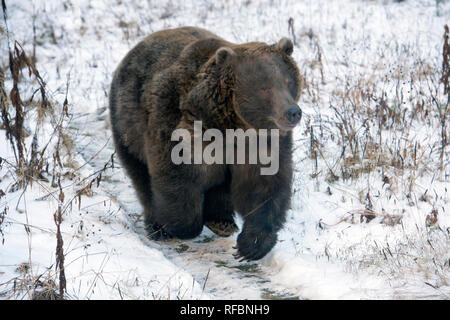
(285, 125)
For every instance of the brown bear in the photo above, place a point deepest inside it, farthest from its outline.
(175, 77)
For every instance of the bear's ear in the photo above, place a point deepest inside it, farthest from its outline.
(223, 55)
(285, 45)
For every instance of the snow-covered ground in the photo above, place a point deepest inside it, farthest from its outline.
(364, 53)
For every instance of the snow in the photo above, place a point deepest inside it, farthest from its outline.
(324, 251)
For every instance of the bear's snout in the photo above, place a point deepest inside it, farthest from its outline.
(293, 114)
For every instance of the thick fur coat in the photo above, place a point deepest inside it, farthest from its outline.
(174, 77)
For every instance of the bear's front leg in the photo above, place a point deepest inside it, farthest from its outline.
(262, 201)
(176, 207)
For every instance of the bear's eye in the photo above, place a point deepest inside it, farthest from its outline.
(289, 82)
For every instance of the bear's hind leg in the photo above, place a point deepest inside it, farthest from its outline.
(140, 178)
(218, 211)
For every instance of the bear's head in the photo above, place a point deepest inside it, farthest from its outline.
(265, 83)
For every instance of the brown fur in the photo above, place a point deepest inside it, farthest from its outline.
(174, 77)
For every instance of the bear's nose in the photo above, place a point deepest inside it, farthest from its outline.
(294, 114)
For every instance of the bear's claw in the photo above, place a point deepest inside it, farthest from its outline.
(254, 245)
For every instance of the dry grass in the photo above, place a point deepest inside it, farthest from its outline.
(389, 124)
(45, 164)
(373, 120)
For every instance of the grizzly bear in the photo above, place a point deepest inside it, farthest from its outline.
(175, 77)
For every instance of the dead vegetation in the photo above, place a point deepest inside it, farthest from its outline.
(386, 134)
(37, 161)
(371, 127)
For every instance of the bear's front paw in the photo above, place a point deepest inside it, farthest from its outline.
(254, 245)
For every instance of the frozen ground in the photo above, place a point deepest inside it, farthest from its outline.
(326, 250)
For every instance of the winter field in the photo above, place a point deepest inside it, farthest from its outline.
(370, 215)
